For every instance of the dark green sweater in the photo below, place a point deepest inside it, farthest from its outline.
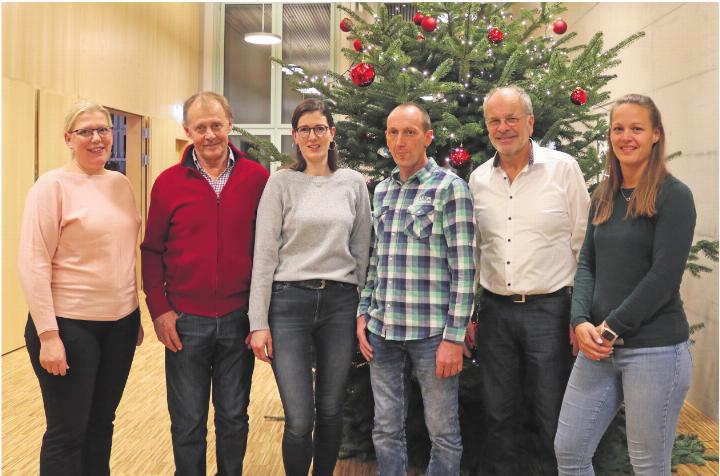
(629, 270)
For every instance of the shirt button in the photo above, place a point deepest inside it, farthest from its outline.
(507, 262)
(508, 284)
(509, 218)
(508, 240)
(510, 197)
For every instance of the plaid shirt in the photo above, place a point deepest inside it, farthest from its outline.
(421, 274)
(222, 179)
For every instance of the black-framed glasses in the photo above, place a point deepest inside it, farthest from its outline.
(304, 131)
(88, 133)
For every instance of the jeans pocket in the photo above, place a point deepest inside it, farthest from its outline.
(278, 287)
(420, 220)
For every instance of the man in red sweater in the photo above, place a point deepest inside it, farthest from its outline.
(196, 266)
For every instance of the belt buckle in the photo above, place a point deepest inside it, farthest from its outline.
(521, 300)
(321, 284)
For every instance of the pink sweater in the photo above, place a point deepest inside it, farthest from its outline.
(77, 248)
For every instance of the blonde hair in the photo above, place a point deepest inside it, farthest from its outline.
(642, 201)
(84, 107)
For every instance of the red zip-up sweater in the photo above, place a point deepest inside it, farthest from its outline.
(197, 251)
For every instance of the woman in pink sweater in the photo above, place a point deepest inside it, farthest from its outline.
(77, 269)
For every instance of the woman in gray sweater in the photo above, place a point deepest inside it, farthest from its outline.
(626, 308)
(311, 253)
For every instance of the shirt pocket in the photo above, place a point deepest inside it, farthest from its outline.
(419, 221)
(379, 215)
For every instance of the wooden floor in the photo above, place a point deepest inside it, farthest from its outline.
(142, 434)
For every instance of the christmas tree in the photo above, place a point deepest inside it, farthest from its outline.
(446, 57)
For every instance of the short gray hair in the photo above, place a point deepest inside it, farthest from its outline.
(527, 103)
(204, 97)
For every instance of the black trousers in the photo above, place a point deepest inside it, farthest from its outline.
(525, 361)
(80, 406)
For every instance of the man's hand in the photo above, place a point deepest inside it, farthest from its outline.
(365, 348)
(166, 330)
(469, 339)
(448, 359)
(261, 345)
(590, 342)
(140, 336)
(52, 353)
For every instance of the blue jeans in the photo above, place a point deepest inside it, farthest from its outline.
(652, 381)
(389, 372)
(214, 352)
(304, 320)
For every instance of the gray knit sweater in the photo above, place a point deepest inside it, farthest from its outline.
(309, 227)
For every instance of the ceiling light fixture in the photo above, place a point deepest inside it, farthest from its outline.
(260, 37)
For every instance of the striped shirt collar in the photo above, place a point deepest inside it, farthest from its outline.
(231, 161)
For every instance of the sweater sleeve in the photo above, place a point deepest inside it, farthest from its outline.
(582, 298)
(153, 248)
(360, 236)
(674, 228)
(268, 239)
(371, 277)
(39, 237)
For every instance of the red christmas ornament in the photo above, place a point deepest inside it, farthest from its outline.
(578, 96)
(429, 23)
(560, 26)
(362, 74)
(418, 18)
(420, 37)
(495, 35)
(357, 44)
(346, 24)
(459, 156)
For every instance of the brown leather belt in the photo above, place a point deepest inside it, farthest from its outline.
(316, 283)
(523, 298)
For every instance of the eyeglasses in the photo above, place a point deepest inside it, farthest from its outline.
(88, 133)
(304, 132)
(511, 121)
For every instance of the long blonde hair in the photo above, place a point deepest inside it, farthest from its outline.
(642, 202)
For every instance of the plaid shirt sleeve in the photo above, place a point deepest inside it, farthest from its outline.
(459, 230)
(371, 277)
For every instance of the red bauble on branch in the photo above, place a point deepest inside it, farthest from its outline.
(346, 24)
(357, 44)
(578, 96)
(429, 23)
(418, 18)
(560, 26)
(495, 35)
(459, 156)
(362, 74)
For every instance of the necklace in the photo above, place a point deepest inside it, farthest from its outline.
(627, 199)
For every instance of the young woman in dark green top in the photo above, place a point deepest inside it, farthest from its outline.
(626, 311)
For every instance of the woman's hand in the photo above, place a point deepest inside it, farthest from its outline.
(590, 342)
(52, 353)
(261, 345)
(141, 336)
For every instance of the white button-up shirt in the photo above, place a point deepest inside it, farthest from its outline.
(529, 232)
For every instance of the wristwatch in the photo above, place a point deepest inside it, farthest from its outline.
(607, 333)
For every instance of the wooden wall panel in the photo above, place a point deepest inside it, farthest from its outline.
(18, 172)
(52, 151)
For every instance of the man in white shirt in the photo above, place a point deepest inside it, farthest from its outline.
(531, 206)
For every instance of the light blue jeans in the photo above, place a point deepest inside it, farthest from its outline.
(653, 382)
(388, 377)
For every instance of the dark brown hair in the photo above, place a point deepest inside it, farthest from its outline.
(307, 106)
(642, 202)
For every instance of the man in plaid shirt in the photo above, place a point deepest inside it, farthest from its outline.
(418, 296)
